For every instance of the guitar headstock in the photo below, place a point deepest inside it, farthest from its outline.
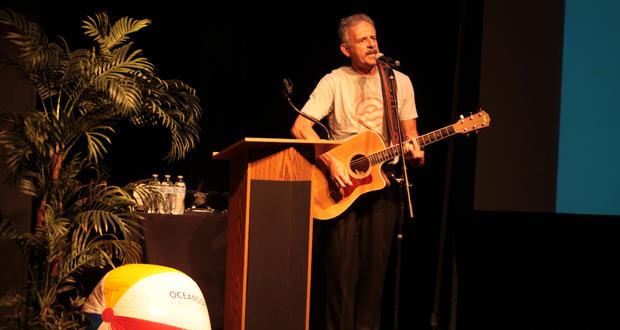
(473, 122)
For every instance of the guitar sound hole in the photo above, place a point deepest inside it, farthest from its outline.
(359, 164)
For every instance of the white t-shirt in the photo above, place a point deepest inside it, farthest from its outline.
(354, 103)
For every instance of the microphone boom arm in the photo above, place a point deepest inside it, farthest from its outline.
(288, 89)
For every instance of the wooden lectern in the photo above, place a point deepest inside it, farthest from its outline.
(269, 242)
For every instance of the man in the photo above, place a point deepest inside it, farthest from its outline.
(359, 240)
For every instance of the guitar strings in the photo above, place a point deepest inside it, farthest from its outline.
(364, 162)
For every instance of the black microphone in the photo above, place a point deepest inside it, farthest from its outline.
(388, 60)
(287, 91)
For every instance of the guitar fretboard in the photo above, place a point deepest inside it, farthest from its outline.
(423, 140)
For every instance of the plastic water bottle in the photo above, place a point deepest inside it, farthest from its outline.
(154, 191)
(179, 193)
(167, 190)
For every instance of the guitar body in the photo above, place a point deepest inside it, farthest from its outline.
(329, 201)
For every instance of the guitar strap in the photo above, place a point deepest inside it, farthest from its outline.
(390, 117)
(390, 105)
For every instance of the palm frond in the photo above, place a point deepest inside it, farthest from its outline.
(97, 27)
(10, 299)
(28, 36)
(109, 36)
(7, 230)
(118, 76)
(97, 141)
(176, 106)
(106, 210)
(17, 150)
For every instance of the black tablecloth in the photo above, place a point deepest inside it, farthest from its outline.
(194, 243)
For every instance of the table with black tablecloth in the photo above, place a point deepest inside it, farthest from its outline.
(194, 243)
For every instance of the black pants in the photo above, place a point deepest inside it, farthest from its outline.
(357, 251)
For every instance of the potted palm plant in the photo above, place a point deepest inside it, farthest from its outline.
(53, 153)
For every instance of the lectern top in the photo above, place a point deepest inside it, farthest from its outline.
(253, 142)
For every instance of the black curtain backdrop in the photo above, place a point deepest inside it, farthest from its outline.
(236, 55)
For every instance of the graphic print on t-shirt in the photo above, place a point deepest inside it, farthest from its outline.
(369, 113)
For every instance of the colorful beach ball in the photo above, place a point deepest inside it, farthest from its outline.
(144, 296)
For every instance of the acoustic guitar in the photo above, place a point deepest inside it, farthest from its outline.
(363, 154)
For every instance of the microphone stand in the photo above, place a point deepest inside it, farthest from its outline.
(404, 183)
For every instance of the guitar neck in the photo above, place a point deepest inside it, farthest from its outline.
(423, 140)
